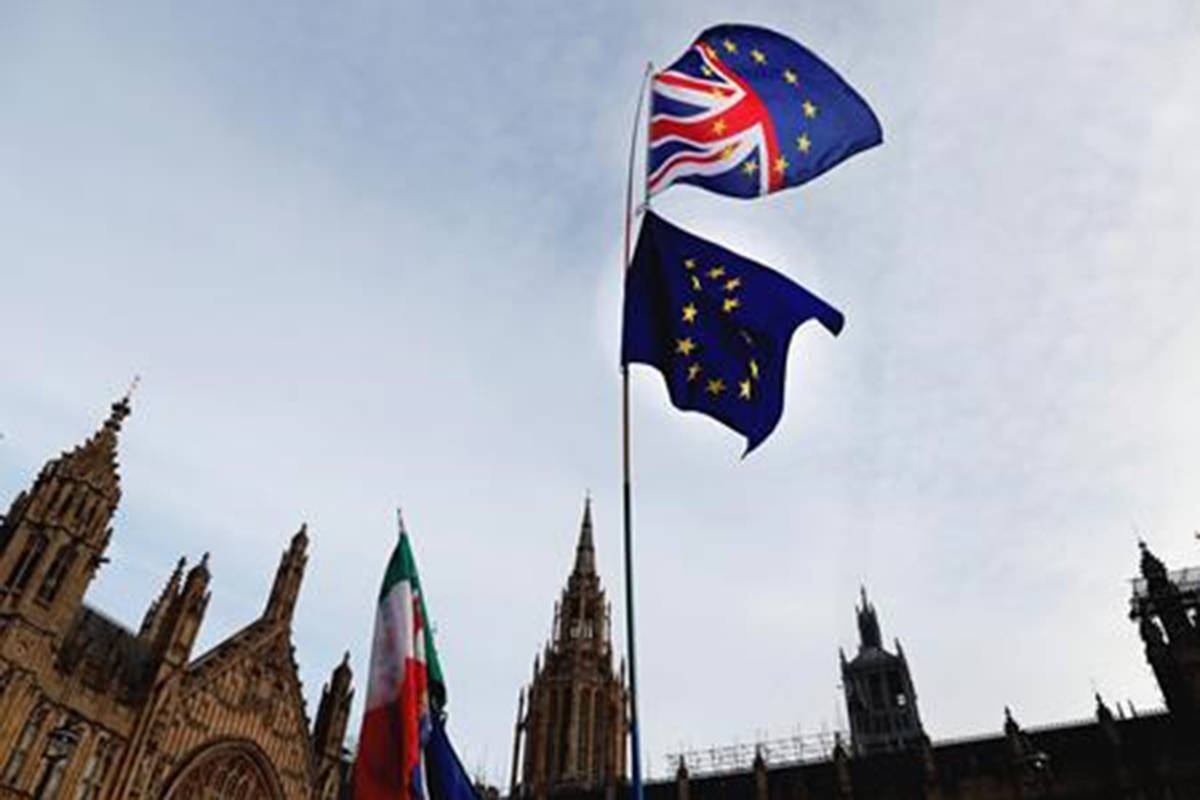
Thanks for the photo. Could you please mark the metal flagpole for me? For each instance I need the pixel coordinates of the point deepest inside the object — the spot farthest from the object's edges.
(630, 639)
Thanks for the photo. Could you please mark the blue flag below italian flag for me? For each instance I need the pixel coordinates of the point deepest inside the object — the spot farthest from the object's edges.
(403, 750)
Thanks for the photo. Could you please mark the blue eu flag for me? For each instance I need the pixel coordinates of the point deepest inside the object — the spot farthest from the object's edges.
(716, 325)
(746, 111)
(446, 777)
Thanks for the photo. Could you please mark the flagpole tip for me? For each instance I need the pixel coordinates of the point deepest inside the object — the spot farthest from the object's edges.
(400, 530)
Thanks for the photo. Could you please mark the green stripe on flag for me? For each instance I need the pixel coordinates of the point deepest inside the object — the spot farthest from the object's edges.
(403, 567)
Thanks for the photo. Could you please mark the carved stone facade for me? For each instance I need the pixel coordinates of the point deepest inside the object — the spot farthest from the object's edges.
(90, 710)
(572, 719)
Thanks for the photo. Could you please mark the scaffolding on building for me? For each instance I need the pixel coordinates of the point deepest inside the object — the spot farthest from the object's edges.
(796, 749)
(1186, 580)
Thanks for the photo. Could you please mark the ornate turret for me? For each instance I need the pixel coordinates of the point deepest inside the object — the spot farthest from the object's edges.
(286, 588)
(880, 697)
(868, 624)
(332, 714)
(153, 620)
(574, 724)
(329, 730)
(54, 535)
(1163, 605)
(185, 613)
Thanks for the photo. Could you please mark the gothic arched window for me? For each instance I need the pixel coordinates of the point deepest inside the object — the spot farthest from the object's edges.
(28, 561)
(227, 771)
(64, 559)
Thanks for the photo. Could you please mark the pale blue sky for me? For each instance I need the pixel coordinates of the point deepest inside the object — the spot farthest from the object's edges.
(368, 253)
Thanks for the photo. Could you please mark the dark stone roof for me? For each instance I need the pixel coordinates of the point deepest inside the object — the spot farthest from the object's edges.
(107, 656)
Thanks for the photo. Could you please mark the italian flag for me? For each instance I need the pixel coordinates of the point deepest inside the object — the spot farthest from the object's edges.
(404, 692)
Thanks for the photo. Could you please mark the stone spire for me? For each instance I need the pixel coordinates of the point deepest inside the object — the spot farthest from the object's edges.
(158, 609)
(573, 717)
(1152, 568)
(585, 550)
(868, 624)
(333, 713)
(53, 538)
(95, 461)
(286, 588)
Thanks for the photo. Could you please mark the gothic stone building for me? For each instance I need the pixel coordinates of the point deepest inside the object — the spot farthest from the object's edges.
(92, 711)
(880, 697)
(572, 720)
(1127, 756)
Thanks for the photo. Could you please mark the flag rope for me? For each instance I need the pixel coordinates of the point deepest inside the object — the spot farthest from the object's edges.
(627, 494)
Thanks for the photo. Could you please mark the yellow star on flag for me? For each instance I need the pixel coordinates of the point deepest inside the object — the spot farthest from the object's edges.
(744, 389)
(750, 167)
(716, 272)
(689, 263)
(689, 312)
(684, 346)
(706, 69)
(758, 56)
(730, 304)
(730, 46)
(715, 387)
(728, 151)
(781, 164)
(732, 284)
(696, 283)
(810, 110)
(803, 143)
(790, 77)
(693, 372)
(719, 127)
(753, 369)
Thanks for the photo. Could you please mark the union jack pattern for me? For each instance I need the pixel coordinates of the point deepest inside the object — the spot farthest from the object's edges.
(747, 111)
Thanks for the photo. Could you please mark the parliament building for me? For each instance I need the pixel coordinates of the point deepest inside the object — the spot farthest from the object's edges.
(570, 737)
(90, 710)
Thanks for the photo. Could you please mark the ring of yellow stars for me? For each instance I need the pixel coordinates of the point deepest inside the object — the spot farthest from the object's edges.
(803, 143)
(732, 284)
(730, 304)
(730, 46)
(810, 110)
(781, 164)
(716, 272)
(744, 389)
(689, 263)
(753, 369)
(750, 167)
(715, 387)
(689, 312)
(696, 283)
(685, 346)
(790, 77)
(758, 56)
(693, 372)
(719, 126)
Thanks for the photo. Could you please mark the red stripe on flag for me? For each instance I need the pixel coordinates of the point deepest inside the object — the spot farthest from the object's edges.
(389, 747)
